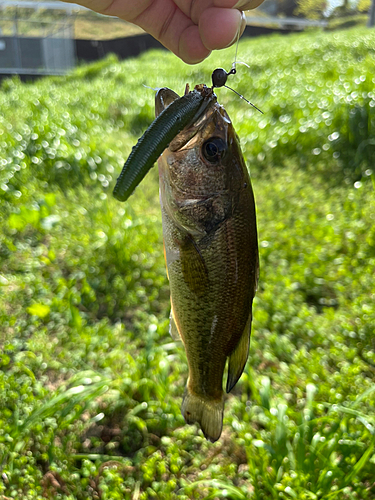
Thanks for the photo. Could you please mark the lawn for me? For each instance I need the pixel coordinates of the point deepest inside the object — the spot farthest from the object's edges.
(91, 382)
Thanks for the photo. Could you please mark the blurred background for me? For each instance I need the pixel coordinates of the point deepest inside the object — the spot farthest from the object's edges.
(91, 383)
(38, 38)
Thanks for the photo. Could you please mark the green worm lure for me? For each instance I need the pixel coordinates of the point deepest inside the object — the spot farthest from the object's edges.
(157, 137)
(165, 128)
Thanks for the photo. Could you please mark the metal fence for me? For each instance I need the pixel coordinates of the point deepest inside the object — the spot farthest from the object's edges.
(50, 54)
(34, 45)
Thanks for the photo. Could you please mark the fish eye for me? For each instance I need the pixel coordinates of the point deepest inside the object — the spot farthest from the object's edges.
(214, 149)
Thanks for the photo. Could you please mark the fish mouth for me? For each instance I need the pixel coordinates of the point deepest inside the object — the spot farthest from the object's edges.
(213, 121)
(165, 96)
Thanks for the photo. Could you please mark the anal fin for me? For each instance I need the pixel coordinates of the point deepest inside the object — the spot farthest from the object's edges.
(238, 358)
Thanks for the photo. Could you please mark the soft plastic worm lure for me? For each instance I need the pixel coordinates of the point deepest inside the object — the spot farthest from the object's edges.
(159, 134)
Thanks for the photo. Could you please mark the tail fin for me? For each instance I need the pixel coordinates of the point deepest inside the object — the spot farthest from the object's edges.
(208, 413)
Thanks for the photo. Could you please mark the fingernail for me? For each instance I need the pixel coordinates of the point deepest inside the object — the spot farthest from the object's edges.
(243, 23)
(240, 4)
(240, 30)
(247, 4)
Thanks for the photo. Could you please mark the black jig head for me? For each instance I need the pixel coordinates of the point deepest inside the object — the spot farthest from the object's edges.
(219, 77)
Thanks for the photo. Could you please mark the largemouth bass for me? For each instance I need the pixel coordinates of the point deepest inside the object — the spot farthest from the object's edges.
(211, 252)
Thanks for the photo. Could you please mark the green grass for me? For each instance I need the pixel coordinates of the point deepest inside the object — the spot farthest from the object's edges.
(90, 381)
(348, 21)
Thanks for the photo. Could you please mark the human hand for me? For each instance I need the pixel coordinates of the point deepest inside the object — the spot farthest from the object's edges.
(189, 28)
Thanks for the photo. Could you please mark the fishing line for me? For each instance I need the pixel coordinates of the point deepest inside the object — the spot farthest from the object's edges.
(152, 88)
(219, 76)
(235, 55)
(244, 98)
(233, 70)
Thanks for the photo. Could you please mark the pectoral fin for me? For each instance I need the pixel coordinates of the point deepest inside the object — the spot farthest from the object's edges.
(194, 268)
(238, 358)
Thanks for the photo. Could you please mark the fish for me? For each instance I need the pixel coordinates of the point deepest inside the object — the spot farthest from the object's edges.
(211, 252)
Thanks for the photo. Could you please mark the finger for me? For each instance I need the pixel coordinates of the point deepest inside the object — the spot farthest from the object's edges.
(239, 4)
(176, 31)
(191, 48)
(248, 5)
(95, 5)
(219, 27)
(195, 9)
(120, 8)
